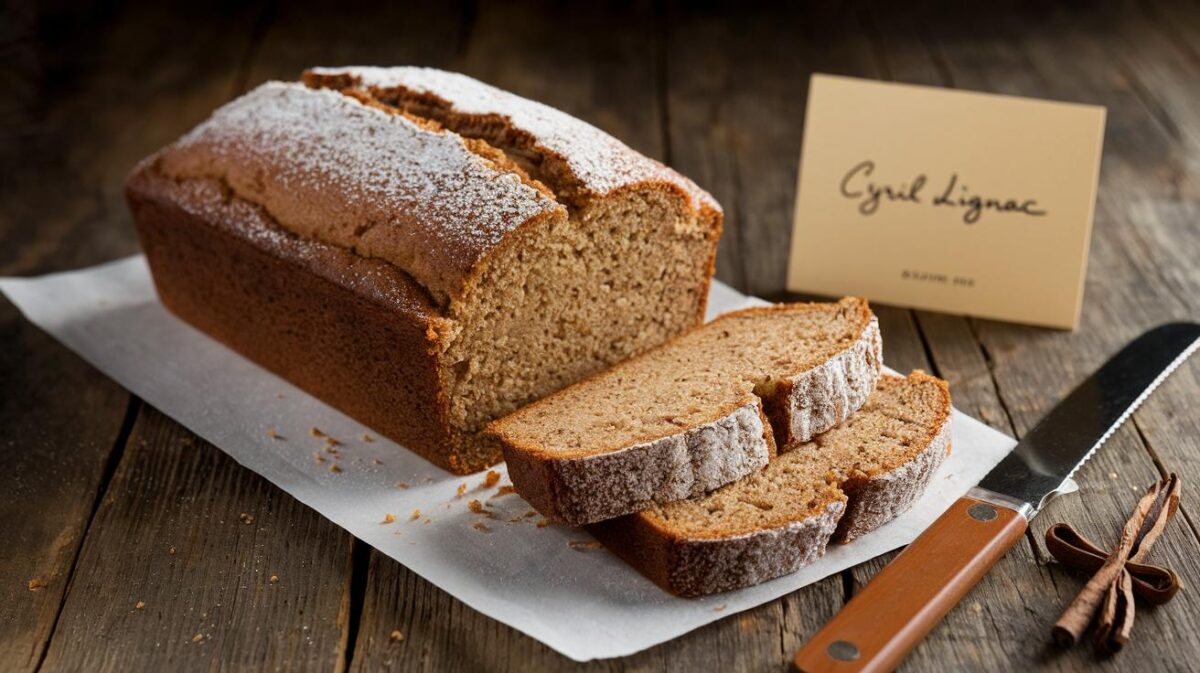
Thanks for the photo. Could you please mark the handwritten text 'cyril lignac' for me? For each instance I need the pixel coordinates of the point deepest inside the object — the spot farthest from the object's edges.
(857, 185)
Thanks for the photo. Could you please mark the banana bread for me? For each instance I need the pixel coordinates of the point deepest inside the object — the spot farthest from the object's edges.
(420, 250)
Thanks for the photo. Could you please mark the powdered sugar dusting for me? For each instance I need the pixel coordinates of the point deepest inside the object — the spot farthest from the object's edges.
(330, 168)
(600, 162)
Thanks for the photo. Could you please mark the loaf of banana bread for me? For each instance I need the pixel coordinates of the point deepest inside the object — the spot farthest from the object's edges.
(420, 250)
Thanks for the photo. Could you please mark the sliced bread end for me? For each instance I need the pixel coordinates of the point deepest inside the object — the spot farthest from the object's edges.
(845, 483)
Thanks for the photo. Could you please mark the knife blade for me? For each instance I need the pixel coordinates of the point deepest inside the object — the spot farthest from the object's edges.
(1067, 436)
(880, 625)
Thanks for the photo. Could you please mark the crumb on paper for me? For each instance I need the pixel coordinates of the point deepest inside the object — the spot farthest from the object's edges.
(335, 468)
(402, 485)
(389, 518)
(274, 435)
(428, 520)
(492, 478)
(139, 605)
(316, 432)
(318, 458)
(377, 461)
(507, 489)
(35, 584)
(530, 514)
(331, 442)
(543, 522)
(481, 526)
(462, 488)
(415, 515)
(246, 518)
(719, 608)
(584, 545)
(475, 506)
(274, 579)
(279, 396)
(397, 636)
(367, 438)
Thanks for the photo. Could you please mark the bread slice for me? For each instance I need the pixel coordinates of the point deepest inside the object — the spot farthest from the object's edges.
(704, 409)
(842, 484)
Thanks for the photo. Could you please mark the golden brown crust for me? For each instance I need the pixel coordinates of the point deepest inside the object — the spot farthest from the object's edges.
(602, 486)
(697, 566)
(312, 313)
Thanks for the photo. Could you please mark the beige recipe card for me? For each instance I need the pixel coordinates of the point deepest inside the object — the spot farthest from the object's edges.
(947, 200)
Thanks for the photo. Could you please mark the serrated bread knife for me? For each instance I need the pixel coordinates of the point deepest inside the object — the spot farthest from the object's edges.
(879, 626)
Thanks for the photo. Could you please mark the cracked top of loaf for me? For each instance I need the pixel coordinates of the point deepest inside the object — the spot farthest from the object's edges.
(427, 170)
(596, 161)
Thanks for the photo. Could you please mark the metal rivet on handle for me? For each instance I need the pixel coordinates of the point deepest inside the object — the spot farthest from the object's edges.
(982, 512)
(843, 650)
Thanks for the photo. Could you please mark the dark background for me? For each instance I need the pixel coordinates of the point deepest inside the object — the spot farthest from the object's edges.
(97, 488)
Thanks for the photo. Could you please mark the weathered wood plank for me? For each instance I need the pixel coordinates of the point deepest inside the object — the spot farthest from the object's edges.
(100, 117)
(53, 470)
(300, 36)
(1058, 58)
(193, 563)
(67, 143)
(737, 84)
(1160, 49)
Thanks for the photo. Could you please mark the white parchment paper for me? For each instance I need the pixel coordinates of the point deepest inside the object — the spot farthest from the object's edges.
(581, 601)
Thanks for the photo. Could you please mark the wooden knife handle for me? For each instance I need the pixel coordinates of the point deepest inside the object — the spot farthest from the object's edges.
(879, 626)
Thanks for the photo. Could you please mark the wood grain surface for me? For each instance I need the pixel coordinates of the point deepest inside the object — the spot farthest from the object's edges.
(99, 487)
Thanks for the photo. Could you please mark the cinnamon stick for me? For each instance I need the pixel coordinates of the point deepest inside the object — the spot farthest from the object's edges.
(1108, 596)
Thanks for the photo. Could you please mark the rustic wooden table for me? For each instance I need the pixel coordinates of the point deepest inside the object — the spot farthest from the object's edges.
(112, 505)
